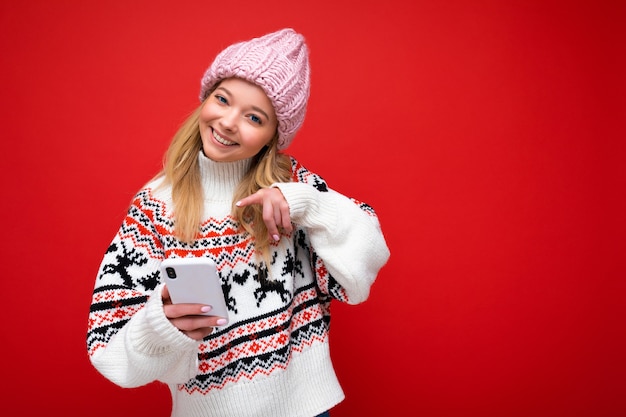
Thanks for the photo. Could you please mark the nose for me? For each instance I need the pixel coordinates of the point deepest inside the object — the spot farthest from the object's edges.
(228, 120)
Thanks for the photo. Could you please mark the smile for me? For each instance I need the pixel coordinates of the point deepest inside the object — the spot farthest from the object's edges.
(222, 140)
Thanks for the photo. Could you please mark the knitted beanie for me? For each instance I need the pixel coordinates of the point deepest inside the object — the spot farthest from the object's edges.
(278, 63)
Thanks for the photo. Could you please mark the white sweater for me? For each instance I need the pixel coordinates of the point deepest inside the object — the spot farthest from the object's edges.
(272, 359)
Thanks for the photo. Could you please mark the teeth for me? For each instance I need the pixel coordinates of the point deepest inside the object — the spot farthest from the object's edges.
(222, 140)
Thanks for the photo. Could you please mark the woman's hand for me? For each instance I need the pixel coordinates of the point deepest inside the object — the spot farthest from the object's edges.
(275, 210)
(188, 318)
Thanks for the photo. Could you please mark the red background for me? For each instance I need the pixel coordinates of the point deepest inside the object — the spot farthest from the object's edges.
(488, 135)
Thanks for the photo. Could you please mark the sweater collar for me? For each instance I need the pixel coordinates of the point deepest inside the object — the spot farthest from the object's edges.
(220, 179)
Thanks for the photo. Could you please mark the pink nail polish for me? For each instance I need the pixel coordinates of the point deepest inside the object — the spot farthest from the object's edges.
(221, 322)
(276, 238)
(206, 309)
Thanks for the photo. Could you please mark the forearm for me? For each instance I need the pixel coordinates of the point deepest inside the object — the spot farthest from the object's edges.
(348, 239)
(146, 349)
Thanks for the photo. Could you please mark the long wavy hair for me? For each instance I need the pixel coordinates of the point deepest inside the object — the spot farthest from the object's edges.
(181, 170)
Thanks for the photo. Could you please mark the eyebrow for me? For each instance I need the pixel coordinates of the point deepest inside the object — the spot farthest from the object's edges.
(258, 109)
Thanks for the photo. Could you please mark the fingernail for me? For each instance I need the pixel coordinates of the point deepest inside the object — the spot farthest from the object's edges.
(206, 309)
(238, 203)
(276, 238)
(221, 322)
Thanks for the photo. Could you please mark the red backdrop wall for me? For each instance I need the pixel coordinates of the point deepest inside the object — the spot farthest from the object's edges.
(488, 135)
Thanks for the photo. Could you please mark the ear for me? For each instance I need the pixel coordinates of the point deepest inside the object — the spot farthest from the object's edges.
(273, 142)
(272, 145)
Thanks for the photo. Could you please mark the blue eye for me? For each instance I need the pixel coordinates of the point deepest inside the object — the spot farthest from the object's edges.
(221, 99)
(255, 119)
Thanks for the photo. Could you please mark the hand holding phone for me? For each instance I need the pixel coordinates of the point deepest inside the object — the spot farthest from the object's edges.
(195, 280)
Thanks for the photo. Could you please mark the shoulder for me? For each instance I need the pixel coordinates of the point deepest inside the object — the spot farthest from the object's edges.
(155, 190)
(299, 173)
(156, 183)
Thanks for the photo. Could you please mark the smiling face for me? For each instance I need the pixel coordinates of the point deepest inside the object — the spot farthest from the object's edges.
(236, 121)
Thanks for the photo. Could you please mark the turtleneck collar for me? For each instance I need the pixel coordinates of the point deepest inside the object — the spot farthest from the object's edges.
(219, 179)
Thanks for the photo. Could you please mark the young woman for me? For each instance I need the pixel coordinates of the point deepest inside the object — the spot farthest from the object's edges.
(285, 245)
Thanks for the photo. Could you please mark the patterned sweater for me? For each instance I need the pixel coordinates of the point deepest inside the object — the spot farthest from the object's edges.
(272, 359)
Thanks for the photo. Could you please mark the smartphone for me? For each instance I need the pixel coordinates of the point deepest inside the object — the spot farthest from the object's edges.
(195, 280)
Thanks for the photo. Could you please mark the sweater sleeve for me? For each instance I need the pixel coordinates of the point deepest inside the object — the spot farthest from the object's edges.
(129, 338)
(343, 232)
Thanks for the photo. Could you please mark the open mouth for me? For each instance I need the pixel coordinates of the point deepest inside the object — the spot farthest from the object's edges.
(223, 141)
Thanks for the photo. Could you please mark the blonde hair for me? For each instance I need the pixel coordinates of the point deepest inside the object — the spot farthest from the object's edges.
(181, 170)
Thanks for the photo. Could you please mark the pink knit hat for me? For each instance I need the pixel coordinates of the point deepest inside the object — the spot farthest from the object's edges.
(278, 63)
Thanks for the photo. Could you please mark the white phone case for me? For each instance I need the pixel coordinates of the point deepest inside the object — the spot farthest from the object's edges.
(195, 280)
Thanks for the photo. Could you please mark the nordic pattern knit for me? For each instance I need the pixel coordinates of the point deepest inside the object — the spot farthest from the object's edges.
(272, 359)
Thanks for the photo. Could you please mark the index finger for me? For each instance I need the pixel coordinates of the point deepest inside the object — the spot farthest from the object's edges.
(255, 198)
(188, 309)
